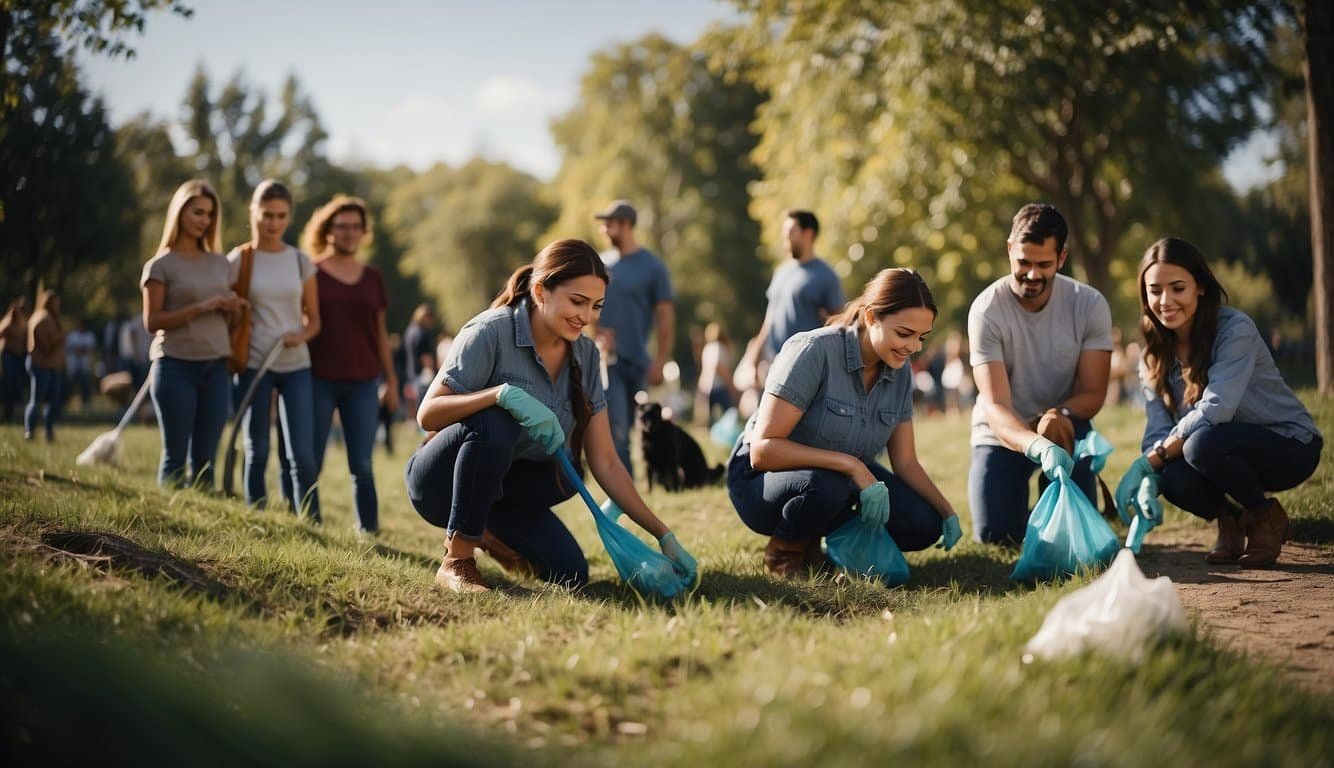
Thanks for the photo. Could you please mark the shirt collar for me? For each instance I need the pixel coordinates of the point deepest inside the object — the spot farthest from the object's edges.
(523, 329)
(852, 350)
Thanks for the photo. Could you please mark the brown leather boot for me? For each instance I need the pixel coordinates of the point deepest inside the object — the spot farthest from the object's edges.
(1231, 540)
(786, 558)
(460, 574)
(815, 559)
(1266, 529)
(511, 561)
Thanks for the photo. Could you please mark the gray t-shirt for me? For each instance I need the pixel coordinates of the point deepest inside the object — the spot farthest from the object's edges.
(185, 281)
(275, 304)
(1040, 350)
(798, 294)
(496, 347)
(639, 282)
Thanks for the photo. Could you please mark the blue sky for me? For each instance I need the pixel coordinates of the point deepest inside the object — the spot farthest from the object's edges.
(416, 81)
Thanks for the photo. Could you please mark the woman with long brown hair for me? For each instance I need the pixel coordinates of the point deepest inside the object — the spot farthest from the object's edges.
(1223, 428)
(519, 379)
(834, 398)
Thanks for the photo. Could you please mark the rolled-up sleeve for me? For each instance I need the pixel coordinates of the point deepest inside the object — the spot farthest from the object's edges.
(472, 359)
(1229, 375)
(984, 344)
(797, 372)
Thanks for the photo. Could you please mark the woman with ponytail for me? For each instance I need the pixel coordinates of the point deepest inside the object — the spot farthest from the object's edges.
(834, 398)
(1223, 427)
(520, 383)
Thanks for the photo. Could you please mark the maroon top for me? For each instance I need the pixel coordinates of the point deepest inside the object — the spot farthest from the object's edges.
(347, 347)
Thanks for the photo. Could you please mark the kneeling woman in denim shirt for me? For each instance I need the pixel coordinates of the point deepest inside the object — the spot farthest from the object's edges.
(833, 399)
(1223, 427)
(519, 378)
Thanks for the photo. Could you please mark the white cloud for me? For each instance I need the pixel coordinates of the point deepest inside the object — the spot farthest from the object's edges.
(509, 95)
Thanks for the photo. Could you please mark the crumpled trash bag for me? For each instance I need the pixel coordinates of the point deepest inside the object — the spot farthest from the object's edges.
(1065, 532)
(1140, 525)
(868, 550)
(646, 571)
(727, 428)
(1120, 613)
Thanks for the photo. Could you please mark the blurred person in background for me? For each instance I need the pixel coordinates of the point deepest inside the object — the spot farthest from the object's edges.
(13, 353)
(714, 392)
(79, 349)
(46, 365)
(419, 360)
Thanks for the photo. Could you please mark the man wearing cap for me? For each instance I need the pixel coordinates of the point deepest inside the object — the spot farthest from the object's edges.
(639, 298)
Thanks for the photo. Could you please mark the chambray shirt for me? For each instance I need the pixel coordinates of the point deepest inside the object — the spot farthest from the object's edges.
(820, 372)
(1244, 386)
(496, 347)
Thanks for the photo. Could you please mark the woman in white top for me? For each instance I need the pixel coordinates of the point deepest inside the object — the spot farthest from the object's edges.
(284, 310)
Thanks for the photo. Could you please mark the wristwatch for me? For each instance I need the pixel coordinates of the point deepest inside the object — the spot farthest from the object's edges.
(1064, 412)
(1159, 451)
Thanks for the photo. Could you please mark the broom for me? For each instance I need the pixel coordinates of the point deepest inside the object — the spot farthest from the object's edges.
(105, 448)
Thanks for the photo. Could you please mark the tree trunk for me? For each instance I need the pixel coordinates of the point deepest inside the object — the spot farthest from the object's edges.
(1320, 130)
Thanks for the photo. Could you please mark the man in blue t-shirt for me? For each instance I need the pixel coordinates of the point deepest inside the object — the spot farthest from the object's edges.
(802, 294)
(639, 298)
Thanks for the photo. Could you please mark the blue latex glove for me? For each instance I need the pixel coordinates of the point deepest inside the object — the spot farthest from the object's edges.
(874, 504)
(1129, 486)
(681, 559)
(950, 533)
(1050, 456)
(535, 417)
(612, 510)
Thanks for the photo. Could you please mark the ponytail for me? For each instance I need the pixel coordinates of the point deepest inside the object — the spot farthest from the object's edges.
(849, 314)
(516, 288)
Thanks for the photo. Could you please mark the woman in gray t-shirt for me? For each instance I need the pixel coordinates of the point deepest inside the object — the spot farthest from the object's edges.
(188, 303)
(284, 311)
(834, 398)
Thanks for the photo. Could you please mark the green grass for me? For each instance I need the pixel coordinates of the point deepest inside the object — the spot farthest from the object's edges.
(268, 640)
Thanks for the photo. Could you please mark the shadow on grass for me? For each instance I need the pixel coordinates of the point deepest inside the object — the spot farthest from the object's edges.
(970, 572)
(1312, 530)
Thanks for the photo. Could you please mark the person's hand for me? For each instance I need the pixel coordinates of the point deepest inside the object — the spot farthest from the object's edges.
(950, 533)
(605, 338)
(1050, 456)
(533, 416)
(293, 340)
(389, 397)
(682, 561)
(873, 504)
(1129, 486)
(655, 374)
(1146, 498)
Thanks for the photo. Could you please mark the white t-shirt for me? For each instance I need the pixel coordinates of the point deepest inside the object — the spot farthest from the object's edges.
(1040, 350)
(276, 281)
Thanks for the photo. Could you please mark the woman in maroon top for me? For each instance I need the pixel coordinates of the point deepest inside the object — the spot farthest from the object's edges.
(351, 353)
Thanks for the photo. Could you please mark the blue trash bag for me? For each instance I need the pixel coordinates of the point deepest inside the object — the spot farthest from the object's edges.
(646, 571)
(869, 550)
(727, 428)
(1140, 525)
(1065, 534)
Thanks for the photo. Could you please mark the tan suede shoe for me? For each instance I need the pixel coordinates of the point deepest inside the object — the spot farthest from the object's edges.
(786, 558)
(511, 561)
(1266, 530)
(1231, 540)
(460, 574)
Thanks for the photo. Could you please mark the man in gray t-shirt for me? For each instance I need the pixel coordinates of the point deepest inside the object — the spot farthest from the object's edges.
(1038, 340)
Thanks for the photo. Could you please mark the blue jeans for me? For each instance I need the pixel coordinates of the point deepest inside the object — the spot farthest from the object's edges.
(358, 405)
(804, 504)
(624, 380)
(464, 479)
(998, 489)
(296, 412)
(1238, 460)
(44, 389)
(190, 398)
(15, 382)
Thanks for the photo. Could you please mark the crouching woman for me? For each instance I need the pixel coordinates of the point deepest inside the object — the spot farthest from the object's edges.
(834, 398)
(519, 378)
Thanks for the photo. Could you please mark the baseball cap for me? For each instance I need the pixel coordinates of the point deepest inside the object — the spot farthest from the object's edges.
(620, 209)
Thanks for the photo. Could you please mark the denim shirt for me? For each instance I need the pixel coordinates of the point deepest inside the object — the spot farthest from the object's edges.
(496, 347)
(1244, 386)
(820, 373)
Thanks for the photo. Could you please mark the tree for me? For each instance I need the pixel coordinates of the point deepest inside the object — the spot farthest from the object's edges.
(668, 128)
(1319, 38)
(464, 230)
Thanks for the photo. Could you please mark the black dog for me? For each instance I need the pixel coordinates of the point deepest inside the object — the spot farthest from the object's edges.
(672, 456)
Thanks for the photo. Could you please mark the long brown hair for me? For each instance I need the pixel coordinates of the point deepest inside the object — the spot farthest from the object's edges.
(1160, 342)
(891, 290)
(558, 262)
(316, 234)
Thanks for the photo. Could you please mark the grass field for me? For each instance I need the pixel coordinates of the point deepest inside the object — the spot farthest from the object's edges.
(221, 635)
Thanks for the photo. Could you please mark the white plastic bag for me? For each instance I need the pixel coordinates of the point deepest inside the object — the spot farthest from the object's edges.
(1119, 613)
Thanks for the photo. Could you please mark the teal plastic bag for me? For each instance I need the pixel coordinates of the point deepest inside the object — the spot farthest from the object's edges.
(646, 571)
(1096, 446)
(1065, 535)
(868, 550)
(727, 428)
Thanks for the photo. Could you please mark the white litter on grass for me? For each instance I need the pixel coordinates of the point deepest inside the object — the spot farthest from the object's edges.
(1119, 613)
(105, 449)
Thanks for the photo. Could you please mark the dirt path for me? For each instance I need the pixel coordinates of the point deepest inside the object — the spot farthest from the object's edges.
(1284, 613)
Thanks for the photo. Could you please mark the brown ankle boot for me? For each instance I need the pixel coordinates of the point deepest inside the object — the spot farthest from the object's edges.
(1266, 529)
(460, 574)
(786, 558)
(815, 559)
(511, 561)
(1231, 540)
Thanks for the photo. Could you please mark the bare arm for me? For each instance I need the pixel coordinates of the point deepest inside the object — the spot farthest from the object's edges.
(993, 390)
(664, 320)
(442, 407)
(386, 362)
(771, 450)
(1091, 377)
(158, 319)
(902, 449)
(613, 477)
